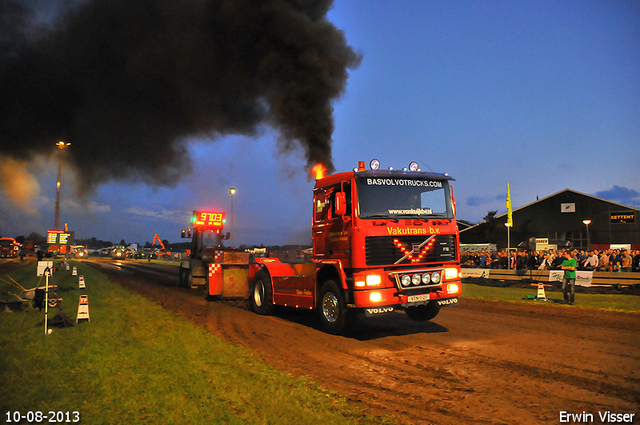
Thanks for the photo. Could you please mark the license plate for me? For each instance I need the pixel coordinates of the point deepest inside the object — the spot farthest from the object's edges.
(418, 298)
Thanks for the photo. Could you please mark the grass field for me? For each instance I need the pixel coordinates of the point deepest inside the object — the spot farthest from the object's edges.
(614, 302)
(136, 363)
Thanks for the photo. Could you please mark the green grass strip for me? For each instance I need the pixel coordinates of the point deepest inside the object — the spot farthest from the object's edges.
(613, 302)
(136, 363)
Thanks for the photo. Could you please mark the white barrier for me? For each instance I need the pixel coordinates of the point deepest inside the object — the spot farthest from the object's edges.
(582, 278)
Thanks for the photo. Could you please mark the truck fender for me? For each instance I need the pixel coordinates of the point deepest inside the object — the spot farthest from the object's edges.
(336, 265)
(277, 269)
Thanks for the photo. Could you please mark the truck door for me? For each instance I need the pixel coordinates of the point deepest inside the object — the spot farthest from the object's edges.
(321, 207)
(331, 236)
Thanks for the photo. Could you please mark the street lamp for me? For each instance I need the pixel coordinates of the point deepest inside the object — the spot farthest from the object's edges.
(61, 145)
(587, 222)
(232, 191)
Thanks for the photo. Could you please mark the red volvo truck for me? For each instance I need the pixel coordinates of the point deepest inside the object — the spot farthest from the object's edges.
(383, 240)
(9, 247)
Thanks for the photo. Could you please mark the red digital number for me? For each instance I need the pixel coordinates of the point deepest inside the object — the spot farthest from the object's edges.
(205, 218)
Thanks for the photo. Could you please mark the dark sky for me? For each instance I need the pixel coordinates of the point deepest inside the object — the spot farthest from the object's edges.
(127, 82)
(541, 95)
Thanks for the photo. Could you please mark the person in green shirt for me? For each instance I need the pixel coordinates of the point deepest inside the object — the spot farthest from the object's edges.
(569, 266)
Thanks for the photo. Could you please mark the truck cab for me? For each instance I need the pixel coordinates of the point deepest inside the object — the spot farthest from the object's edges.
(383, 240)
(9, 247)
(206, 238)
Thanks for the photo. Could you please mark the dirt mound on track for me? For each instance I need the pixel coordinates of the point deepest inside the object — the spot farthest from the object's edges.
(479, 362)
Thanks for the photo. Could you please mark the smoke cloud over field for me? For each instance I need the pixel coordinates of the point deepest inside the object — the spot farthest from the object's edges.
(128, 82)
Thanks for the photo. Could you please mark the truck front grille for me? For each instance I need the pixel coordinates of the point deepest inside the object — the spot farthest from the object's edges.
(382, 250)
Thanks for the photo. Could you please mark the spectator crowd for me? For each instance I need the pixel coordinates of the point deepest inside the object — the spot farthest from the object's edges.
(610, 260)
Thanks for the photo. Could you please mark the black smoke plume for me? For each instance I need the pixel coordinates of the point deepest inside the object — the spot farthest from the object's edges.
(128, 82)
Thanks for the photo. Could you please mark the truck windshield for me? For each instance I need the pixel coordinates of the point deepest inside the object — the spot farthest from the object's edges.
(210, 239)
(403, 197)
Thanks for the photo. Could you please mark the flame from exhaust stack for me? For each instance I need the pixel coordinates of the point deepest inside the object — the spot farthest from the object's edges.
(318, 171)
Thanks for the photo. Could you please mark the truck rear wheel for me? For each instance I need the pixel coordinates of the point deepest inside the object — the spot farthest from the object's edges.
(262, 294)
(186, 278)
(422, 313)
(332, 309)
(181, 276)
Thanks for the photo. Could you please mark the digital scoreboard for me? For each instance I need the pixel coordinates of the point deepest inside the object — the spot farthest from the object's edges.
(208, 219)
(58, 237)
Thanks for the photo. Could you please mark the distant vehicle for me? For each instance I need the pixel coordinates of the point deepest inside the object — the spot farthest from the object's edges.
(9, 247)
(118, 253)
(157, 238)
(28, 249)
(79, 251)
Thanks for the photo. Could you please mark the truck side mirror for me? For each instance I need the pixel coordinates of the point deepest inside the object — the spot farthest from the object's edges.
(341, 204)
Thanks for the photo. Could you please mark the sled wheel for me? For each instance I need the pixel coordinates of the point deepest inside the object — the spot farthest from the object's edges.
(262, 294)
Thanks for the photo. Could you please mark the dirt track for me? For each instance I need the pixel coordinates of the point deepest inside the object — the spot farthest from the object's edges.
(479, 362)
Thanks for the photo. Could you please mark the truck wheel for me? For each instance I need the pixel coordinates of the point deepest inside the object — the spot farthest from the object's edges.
(186, 278)
(423, 312)
(262, 294)
(332, 309)
(181, 276)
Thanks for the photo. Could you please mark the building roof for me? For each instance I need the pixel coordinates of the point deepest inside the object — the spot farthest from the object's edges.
(551, 196)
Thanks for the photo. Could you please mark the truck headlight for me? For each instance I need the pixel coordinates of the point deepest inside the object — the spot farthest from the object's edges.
(416, 279)
(405, 280)
(451, 273)
(373, 280)
(375, 297)
(435, 277)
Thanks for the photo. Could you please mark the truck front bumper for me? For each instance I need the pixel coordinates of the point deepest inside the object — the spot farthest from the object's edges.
(446, 295)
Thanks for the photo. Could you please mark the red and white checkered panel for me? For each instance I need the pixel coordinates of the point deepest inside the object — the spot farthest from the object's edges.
(214, 269)
(219, 255)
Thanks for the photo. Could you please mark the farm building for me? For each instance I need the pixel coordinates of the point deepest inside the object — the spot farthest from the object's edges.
(566, 218)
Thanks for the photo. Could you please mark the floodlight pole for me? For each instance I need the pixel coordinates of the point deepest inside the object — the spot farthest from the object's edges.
(47, 271)
(56, 221)
(232, 191)
(587, 222)
(508, 245)
(61, 145)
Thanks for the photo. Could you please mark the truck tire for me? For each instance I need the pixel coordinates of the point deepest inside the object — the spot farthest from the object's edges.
(186, 278)
(181, 276)
(422, 313)
(261, 297)
(332, 309)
